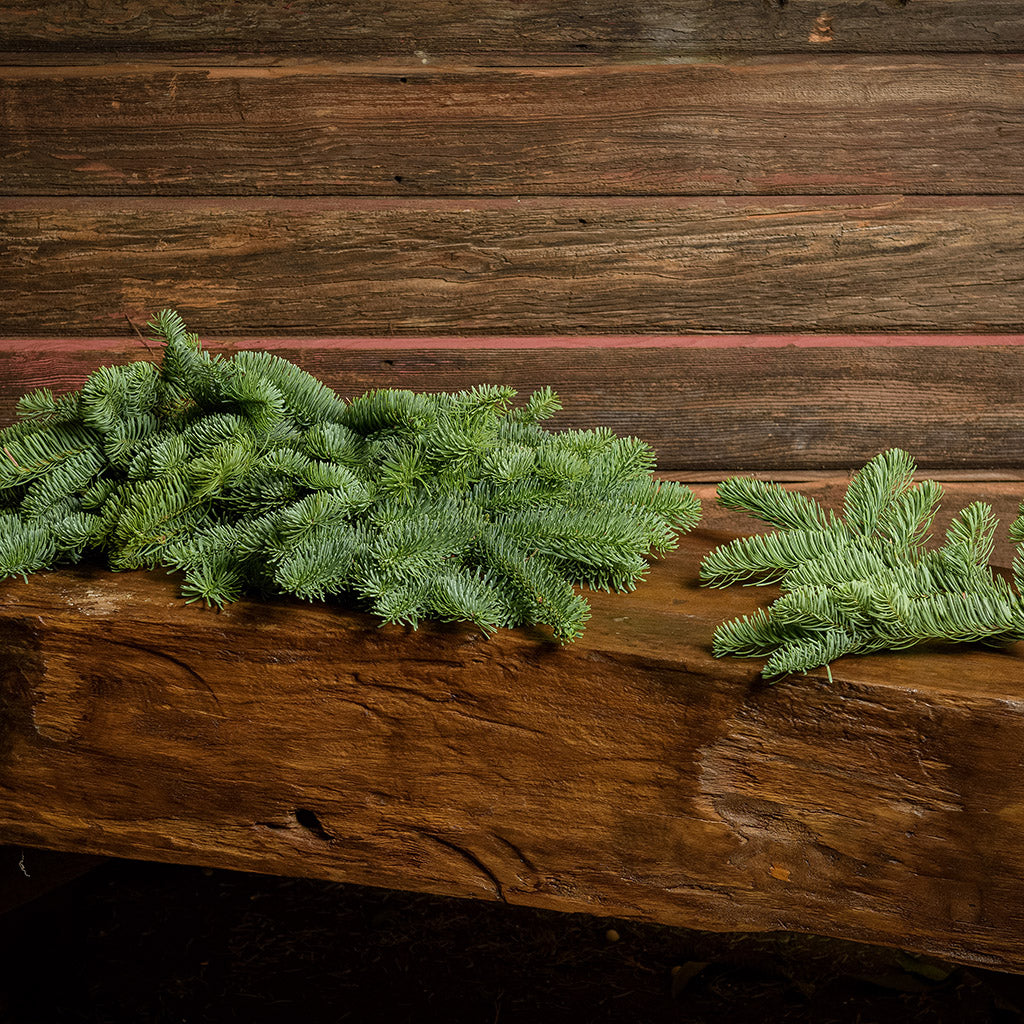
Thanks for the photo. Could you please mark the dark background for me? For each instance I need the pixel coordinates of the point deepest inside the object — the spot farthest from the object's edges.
(134, 941)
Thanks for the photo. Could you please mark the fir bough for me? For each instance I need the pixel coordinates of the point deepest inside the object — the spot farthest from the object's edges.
(864, 580)
(248, 474)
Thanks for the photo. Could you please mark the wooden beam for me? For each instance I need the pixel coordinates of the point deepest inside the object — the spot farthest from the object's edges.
(537, 266)
(786, 126)
(705, 403)
(532, 32)
(630, 774)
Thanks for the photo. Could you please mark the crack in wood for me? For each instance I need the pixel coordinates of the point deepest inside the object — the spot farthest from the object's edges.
(518, 854)
(469, 857)
(188, 669)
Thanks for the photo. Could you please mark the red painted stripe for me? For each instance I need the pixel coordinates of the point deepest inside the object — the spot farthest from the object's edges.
(691, 341)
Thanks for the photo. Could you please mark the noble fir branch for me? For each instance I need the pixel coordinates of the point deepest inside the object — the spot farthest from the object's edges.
(864, 580)
(248, 475)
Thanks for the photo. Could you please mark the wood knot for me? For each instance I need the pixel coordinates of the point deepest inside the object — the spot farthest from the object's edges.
(822, 31)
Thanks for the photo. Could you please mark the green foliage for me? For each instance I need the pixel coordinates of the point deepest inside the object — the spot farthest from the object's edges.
(248, 474)
(864, 581)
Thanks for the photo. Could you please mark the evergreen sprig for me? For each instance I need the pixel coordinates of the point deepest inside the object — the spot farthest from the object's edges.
(864, 580)
(248, 474)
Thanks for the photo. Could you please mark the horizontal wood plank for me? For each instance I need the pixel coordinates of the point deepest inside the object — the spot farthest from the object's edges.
(540, 266)
(787, 126)
(535, 31)
(630, 774)
(725, 409)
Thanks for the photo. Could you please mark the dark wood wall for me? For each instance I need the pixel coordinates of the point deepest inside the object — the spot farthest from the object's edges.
(759, 233)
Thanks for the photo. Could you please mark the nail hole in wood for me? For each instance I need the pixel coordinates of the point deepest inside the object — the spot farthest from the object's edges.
(311, 823)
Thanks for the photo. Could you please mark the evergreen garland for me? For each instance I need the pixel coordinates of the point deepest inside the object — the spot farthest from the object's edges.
(863, 581)
(248, 474)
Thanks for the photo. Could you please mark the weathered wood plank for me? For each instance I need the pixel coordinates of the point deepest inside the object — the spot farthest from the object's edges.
(791, 126)
(530, 266)
(532, 32)
(704, 403)
(630, 774)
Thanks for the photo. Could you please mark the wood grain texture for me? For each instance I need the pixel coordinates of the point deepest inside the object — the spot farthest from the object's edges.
(630, 774)
(530, 266)
(719, 410)
(790, 126)
(531, 32)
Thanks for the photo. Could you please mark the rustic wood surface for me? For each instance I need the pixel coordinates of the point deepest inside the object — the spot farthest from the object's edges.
(787, 125)
(630, 774)
(705, 404)
(515, 266)
(533, 32)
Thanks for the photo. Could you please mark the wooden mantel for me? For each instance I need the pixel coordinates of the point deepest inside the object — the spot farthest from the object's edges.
(630, 774)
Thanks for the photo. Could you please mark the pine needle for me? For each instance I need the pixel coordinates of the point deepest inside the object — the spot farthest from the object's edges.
(864, 581)
(248, 474)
